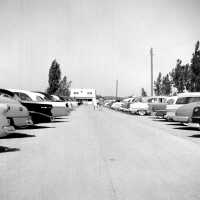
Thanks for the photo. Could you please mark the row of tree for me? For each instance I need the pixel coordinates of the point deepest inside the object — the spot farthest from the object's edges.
(57, 85)
(183, 77)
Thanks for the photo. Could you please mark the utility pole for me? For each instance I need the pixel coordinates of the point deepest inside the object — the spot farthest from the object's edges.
(116, 94)
(151, 54)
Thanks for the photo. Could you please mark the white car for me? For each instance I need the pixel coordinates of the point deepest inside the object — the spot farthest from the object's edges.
(141, 104)
(5, 127)
(160, 109)
(117, 105)
(72, 104)
(60, 108)
(182, 99)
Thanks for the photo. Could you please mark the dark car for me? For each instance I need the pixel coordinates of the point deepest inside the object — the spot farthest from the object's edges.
(39, 112)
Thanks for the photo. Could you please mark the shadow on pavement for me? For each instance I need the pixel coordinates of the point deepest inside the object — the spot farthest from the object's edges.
(59, 121)
(17, 135)
(187, 128)
(159, 120)
(61, 118)
(195, 136)
(35, 127)
(176, 124)
(8, 149)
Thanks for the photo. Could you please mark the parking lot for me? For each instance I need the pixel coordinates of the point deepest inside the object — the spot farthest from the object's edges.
(94, 154)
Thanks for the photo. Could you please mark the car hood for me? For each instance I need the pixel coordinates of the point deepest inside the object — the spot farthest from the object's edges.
(8, 100)
(187, 110)
(16, 109)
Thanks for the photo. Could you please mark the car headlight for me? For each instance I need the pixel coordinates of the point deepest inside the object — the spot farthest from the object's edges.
(196, 109)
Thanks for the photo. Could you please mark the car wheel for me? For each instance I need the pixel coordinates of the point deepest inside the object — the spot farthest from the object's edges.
(141, 112)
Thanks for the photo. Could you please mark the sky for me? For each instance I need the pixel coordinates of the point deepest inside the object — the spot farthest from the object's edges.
(96, 42)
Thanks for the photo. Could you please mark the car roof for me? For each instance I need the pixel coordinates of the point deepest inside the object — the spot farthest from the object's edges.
(32, 95)
(7, 92)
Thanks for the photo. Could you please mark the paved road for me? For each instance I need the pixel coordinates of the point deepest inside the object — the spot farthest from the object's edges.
(100, 155)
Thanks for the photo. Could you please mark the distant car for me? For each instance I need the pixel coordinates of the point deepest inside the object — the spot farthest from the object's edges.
(5, 127)
(39, 112)
(182, 99)
(108, 103)
(141, 105)
(125, 104)
(18, 114)
(125, 107)
(117, 105)
(185, 113)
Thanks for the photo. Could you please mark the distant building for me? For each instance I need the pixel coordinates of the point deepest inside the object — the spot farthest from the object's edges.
(86, 95)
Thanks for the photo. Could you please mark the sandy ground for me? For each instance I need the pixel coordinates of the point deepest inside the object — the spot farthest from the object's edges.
(101, 155)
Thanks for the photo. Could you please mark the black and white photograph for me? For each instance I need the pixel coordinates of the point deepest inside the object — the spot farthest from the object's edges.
(99, 99)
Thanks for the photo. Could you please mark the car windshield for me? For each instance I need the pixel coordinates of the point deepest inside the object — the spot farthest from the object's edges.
(38, 98)
(5, 95)
(23, 96)
(55, 98)
(186, 100)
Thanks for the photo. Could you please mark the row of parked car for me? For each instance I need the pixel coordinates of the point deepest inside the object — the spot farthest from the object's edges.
(183, 108)
(21, 108)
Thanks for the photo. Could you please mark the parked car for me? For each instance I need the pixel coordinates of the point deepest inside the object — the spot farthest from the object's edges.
(124, 105)
(185, 113)
(71, 104)
(61, 108)
(141, 104)
(159, 109)
(108, 103)
(116, 105)
(182, 99)
(58, 108)
(5, 127)
(39, 112)
(17, 114)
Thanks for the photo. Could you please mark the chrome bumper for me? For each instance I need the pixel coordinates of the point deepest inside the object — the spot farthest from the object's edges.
(184, 119)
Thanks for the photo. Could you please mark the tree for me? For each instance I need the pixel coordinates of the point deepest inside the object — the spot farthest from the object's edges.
(54, 77)
(187, 77)
(143, 92)
(195, 69)
(181, 76)
(166, 85)
(158, 84)
(64, 88)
